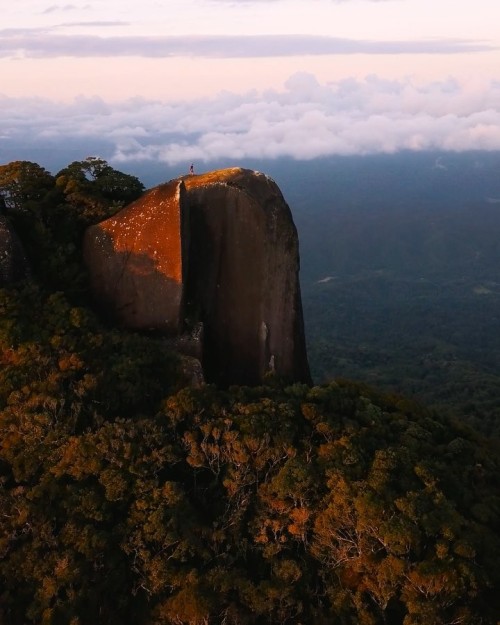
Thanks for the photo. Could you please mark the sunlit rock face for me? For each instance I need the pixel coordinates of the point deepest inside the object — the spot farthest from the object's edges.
(13, 263)
(221, 249)
(137, 263)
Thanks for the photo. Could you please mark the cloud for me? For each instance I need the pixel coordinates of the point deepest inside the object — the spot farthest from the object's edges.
(57, 8)
(45, 43)
(103, 23)
(304, 120)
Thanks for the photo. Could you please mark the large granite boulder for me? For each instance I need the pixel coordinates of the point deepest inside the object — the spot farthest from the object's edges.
(219, 249)
(13, 263)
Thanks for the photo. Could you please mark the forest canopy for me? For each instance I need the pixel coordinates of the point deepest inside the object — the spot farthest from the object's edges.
(51, 212)
(127, 499)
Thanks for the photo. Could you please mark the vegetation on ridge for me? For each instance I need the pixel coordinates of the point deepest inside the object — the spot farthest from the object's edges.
(50, 213)
(125, 500)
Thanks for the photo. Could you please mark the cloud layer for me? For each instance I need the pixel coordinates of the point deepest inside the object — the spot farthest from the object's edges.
(47, 43)
(305, 120)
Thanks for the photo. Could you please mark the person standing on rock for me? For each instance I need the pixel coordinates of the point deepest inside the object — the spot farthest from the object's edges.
(191, 169)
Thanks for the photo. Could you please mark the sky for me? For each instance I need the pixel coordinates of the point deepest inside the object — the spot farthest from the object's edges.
(176, 81)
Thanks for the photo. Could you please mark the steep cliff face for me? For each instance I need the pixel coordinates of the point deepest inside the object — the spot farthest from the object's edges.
(13, 263)
(220, 249)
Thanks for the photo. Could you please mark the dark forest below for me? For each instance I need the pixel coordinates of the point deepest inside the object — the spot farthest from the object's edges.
(128, 499)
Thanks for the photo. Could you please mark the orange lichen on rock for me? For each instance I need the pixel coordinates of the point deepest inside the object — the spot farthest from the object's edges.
(151, 227)
(219, 176)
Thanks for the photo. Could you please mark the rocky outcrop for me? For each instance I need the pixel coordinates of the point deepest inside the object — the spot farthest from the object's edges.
(13, 263)
(218, 249)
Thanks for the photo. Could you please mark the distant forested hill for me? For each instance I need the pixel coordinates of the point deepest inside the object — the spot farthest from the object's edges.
(401, 274)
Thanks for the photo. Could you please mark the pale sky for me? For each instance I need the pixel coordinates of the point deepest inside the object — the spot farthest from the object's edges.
(181, 79)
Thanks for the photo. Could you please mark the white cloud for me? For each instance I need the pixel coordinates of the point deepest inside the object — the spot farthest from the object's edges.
(303, 121)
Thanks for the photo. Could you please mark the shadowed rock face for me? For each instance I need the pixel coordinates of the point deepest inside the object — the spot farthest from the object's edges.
(13, 263)
(221, 249)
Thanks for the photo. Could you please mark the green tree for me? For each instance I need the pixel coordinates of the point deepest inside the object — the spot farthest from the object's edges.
(95, 190)
(24, 185)
(51, 213)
